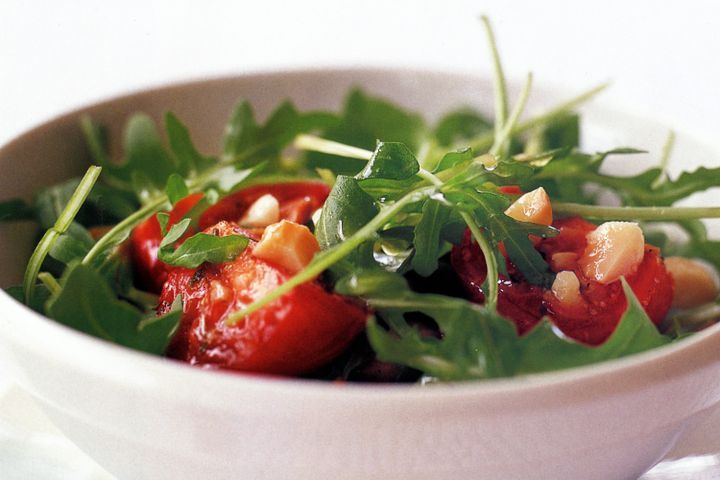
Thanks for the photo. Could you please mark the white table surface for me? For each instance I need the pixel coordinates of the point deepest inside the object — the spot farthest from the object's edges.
(663, 59)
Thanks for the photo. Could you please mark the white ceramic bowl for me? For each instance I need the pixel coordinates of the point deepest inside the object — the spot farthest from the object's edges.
(145, 417)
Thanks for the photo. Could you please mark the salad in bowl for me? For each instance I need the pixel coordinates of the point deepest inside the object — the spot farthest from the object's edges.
(366, 245)
(369, 245)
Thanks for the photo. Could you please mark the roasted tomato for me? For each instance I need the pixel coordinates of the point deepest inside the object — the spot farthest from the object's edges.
(595, 316)
(150, 273)
(298, 201)
(295, 334)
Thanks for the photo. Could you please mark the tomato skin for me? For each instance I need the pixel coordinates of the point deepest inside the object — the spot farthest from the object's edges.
(149, 272)
(596, 316)
(510, 190)
(594, 319)
(301, 331)
(298, 200)
(519, 301)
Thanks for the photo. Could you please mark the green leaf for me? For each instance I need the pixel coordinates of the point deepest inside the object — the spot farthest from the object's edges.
(386, 189)
(241, 131)
(391, 160)
(49, 203)
(40, 296)
(365, 120)
(187, 158)
(285, 123)
(176, 231)
(107, 205)
(155, 332)
(15, 209)
(96, 140)
(562, 132)
(145, 153)
(461, 125)
(641, 190)
(249, 143)
(88, 304)
(427, 237)
(347, 209)
(476, 343)
(163, 218)
(199, 248)
(176, 189)
(72, 245)
(452, 159)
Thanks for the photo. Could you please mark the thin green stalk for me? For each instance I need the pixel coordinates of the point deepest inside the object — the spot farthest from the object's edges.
(317, 144)
(636, 213)
(484, 142)
(140, 297)
(50, 282)
(502, 141)
(430, 177)
(329, 257)
(61, 225)
(116, 233)
(499, 82)
(665, 159)
(490, 260)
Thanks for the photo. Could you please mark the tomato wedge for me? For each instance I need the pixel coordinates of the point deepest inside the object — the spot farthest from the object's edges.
(295, 334)
(298, 200)
(149, 272)
(595, 317)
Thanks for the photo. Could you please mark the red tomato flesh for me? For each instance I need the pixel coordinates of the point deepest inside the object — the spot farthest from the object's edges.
(149, 272)
(596, 316)
(299, 332)
(298, 200)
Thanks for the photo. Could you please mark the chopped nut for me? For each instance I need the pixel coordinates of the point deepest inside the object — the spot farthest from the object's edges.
(695, 284)
(287, 244)
(263, 212)
(566, 288)
(614, 249)
(533, 207)
(316, 216)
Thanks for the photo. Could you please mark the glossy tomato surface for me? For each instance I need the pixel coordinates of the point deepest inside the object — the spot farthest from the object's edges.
(149, 272)
(298, 200)
(591, 320)
(301, 331)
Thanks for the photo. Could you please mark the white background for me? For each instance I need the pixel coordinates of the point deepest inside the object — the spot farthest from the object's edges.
(663, 57)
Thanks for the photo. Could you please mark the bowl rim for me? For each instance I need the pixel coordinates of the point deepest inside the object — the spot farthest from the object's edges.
(71, 339)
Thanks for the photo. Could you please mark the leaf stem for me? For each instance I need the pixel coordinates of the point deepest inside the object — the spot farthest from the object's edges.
(61, 225)
(499, 82)
(502, 139)
(329, 257)
(116, 233)
(490, 260)
(317, 144)
(50, 282)
(665, 159)
(636, 213)
(484, 142)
